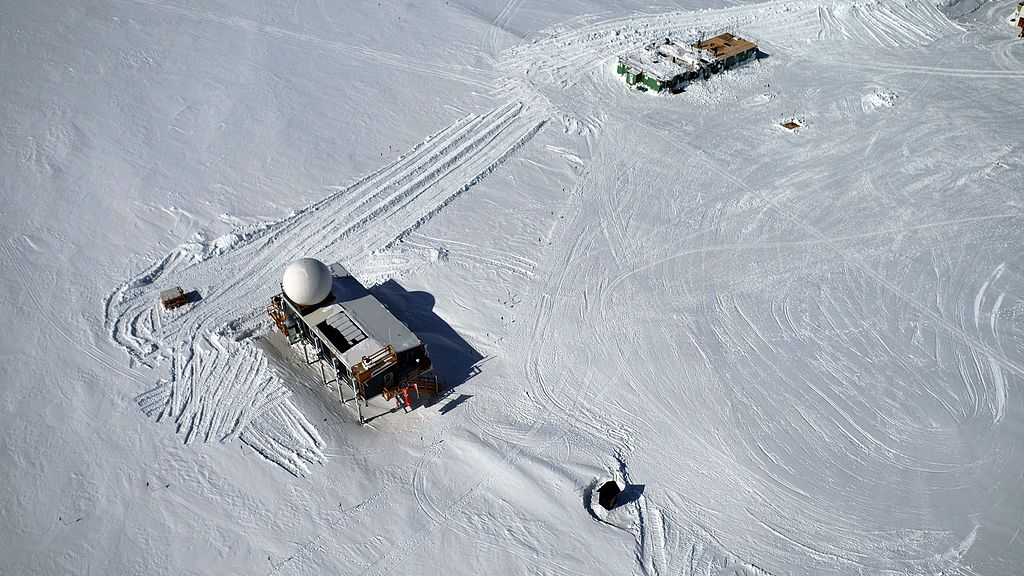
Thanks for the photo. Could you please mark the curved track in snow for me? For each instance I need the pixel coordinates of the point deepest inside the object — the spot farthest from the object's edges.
(817, 377)
(444, 70)
(564, 54)
(208, 393)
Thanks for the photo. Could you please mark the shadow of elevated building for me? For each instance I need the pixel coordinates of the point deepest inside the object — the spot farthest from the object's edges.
(454, 360)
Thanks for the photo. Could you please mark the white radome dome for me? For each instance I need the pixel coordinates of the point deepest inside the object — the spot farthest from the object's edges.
(307, 281)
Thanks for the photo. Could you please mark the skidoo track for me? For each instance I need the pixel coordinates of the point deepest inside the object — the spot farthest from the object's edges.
(217, 386)
(797, 363)
(462, 74)
(563, 53)
(497, 27)
(473, 255)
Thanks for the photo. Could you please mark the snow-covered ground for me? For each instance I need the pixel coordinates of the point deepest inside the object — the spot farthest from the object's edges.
(799, 350)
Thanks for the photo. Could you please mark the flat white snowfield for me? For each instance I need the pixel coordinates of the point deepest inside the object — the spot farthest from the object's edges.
(801, 351)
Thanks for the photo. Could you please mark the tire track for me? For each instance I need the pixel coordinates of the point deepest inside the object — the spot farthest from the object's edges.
(499, 25)
(444, 516)
(457, 73)
(436, 248)
(566, 52)
(209, 397)
(16, 256)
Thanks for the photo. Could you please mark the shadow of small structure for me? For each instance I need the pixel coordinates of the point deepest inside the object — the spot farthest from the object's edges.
(610, 495)
(631, 493)
(454, 403)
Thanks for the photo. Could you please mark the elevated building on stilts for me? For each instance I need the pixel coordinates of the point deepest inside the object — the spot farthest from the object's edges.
(375, 361)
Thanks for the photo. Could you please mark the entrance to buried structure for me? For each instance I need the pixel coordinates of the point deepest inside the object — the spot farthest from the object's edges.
(356, 341)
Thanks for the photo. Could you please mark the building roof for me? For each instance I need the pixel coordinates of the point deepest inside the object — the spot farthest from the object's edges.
(355, 323)
(668, 58)
(662, 61)
(725, 45)
(171, 294)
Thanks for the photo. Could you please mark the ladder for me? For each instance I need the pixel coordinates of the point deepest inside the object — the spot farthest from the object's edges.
(277, 314)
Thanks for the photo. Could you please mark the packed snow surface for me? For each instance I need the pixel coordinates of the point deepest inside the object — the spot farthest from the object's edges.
(799, 351)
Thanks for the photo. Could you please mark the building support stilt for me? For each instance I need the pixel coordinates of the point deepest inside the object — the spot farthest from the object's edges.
(337, 378)
(320, 361)
(359, 409)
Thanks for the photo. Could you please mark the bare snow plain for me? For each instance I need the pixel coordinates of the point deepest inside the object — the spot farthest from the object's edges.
(800, 350)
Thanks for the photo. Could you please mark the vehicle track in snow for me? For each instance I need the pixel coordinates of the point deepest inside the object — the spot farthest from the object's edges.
(666, 546)
(555, 414)
(498, 26)
(892, 24)
(439, 248)
(973, 74)
(523, 442)
(566, 387)
(557, 389)
(373, 215)
(563, 54)
(758, 346)
(859, 325)
(15, 249)
(463, 74)
(238, 272)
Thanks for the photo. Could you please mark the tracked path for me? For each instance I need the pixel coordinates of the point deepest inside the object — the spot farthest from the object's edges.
(385, 207)
(734, 320)
(456, 73)
(563, 54)
(218, 387)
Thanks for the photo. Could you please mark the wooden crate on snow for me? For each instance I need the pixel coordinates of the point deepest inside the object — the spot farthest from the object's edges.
(173, 298)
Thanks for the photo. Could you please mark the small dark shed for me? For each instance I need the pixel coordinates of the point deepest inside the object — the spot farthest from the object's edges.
(608, 494)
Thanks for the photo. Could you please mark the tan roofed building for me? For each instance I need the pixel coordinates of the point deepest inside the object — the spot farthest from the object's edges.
(671, 65)
(727, 48)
